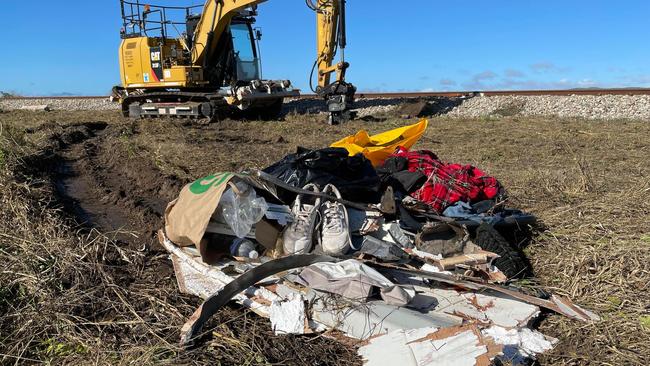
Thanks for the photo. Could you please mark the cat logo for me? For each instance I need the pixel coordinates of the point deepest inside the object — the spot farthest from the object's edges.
(155, 56)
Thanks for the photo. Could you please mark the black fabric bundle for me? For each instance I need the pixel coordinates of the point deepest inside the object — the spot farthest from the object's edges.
(354, 176)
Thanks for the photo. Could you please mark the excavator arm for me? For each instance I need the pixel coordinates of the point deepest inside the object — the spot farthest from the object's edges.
(214, 21)
(331, 39)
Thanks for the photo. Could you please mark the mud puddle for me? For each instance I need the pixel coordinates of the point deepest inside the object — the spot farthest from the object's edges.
(104, 186)
(82, 201)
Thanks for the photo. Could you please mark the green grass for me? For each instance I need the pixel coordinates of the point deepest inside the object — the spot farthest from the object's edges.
(54, 348)
(645, 321)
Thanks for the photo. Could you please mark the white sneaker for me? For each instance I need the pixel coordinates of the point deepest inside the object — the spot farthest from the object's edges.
(335, 232)
(297, 237)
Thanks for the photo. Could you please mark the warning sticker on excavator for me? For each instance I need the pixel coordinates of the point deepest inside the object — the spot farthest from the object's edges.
(145, 76)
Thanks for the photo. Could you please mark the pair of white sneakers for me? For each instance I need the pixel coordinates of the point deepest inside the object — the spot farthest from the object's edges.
(308, 214)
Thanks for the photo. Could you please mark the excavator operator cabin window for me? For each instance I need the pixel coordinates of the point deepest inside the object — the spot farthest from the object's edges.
(245, 52)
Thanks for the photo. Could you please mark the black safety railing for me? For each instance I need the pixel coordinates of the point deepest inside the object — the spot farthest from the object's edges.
(142, 19)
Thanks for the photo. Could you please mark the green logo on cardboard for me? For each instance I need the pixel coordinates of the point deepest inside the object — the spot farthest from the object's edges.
(204, 184)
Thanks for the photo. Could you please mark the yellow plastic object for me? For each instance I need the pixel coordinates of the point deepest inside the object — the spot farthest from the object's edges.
(378, 147)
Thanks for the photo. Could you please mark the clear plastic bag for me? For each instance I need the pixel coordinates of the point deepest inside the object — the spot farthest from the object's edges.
(241, 210)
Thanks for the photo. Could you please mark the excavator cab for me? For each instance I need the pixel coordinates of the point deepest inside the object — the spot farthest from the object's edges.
(247, 60)
(247, 63)
(236, 60)
(170, 64)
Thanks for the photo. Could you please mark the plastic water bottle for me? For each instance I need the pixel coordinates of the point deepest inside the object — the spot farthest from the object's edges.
(244, 248)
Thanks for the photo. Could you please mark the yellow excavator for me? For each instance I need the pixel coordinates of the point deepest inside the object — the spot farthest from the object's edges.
(203, 61)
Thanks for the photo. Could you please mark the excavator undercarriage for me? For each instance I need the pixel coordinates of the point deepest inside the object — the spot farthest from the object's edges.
(264, 102)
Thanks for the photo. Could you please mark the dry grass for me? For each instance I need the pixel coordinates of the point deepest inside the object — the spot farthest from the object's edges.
(588, 182)
(64, 293)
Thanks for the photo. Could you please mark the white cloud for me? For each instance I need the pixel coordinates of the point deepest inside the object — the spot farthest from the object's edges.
(447, 82)
(513, 73)
(547, 67)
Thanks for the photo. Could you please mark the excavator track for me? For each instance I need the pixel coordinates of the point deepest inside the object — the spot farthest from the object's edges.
(177, 103)
(264, 106)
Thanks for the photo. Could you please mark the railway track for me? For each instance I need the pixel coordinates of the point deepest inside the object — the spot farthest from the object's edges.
(451, 94)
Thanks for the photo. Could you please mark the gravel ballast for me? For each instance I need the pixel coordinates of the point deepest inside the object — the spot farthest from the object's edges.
(581, 106)
(63, 104)
(575, 106)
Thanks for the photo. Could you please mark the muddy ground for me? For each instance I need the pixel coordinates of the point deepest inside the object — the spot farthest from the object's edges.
(83, 280)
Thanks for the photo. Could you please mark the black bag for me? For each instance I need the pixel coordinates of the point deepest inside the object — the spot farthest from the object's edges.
(354, 176)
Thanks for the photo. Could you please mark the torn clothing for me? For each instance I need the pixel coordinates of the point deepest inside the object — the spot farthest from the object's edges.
(394, 172)
(353, 280)
(445, 183)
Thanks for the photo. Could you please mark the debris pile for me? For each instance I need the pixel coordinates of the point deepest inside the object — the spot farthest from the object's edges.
(368, 240)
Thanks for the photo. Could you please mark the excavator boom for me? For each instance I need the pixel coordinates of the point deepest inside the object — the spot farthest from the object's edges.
(331, 39)
(214, 21)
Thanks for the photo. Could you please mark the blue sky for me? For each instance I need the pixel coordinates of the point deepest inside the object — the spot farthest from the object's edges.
(70, 46)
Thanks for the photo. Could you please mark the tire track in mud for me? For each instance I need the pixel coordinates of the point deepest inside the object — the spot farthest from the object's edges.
(108, 187)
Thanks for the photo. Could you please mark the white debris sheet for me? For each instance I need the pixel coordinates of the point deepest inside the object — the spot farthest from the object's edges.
(485, 309)
(439, 325)
(462, 346)
(288, 317)
(520, 345)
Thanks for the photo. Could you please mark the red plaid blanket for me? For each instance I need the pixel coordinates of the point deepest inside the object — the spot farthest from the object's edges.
(448, 183)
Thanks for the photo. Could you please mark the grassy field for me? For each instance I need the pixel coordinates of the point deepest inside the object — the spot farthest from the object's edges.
(103, 292)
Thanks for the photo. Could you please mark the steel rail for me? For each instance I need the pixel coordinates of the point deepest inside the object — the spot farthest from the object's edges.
(448, 94)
